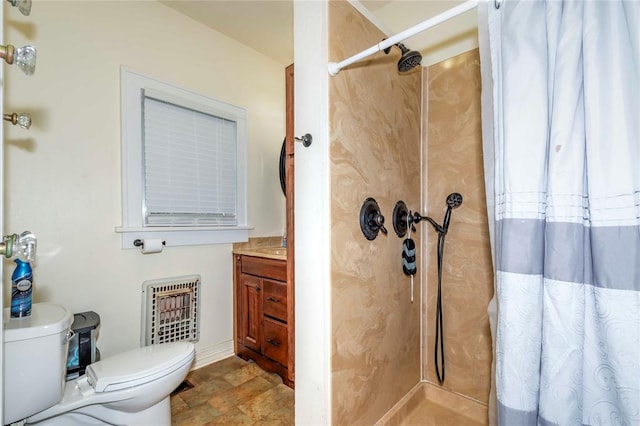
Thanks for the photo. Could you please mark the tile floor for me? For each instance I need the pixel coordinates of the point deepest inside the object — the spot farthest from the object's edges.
(233, 392)
(236, 392)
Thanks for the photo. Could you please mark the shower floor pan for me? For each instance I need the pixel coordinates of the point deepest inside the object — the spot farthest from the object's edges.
(430, 405)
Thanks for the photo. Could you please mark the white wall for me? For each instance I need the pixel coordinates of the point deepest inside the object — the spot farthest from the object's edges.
(313, 216)
(63, 177)
(1, 210)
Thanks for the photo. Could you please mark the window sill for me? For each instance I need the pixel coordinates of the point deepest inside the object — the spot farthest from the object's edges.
(185, 236)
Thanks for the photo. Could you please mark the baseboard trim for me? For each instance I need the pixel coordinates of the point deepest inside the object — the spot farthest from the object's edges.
(206, 355)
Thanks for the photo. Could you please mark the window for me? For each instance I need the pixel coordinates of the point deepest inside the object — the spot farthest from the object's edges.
(183, 165)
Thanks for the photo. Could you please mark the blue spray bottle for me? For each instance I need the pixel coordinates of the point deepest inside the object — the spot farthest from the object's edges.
(21, 289)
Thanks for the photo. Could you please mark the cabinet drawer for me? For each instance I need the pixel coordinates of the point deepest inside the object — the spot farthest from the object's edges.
(263, 267)
(276, 341)
(274, 300)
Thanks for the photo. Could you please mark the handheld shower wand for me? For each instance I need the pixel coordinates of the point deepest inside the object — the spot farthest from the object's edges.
(402, 220)
(453, 201)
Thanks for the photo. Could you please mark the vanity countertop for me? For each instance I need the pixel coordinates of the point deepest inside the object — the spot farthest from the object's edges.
(279, 253)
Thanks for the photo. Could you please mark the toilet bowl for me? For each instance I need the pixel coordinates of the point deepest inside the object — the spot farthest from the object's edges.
(130, 388)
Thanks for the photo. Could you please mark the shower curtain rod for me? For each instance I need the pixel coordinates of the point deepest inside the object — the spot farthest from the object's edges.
(335, 67)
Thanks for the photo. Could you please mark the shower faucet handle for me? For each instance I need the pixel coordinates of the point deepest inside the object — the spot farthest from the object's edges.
(378, 219)
(371, 220)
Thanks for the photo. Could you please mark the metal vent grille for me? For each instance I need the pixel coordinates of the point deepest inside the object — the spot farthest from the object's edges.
(171, 310)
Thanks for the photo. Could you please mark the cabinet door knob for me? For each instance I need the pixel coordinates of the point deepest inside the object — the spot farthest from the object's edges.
(273, 342)
(271, 299)
(257, 288)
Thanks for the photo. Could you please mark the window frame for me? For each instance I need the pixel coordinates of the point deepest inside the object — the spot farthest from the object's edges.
(132, 154)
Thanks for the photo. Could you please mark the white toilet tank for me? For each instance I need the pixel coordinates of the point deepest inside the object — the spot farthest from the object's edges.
(35, 355)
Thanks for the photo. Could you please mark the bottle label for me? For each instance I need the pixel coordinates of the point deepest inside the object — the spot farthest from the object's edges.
(23, 285)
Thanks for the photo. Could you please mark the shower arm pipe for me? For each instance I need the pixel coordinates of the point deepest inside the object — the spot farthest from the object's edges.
(335, 67)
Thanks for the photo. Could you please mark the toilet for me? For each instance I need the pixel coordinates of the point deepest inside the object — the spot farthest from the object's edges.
(130, 388)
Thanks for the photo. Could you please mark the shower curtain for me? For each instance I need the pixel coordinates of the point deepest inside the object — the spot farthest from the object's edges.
(561, 118)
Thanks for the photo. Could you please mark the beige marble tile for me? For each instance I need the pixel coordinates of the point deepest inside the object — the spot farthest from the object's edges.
(374, 120)
(454, 162)
(259, 242)
(404, 408)
(432, 414)
(428, 404)
(462, 406)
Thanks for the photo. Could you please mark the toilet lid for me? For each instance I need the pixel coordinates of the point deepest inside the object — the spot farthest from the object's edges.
(138, 366)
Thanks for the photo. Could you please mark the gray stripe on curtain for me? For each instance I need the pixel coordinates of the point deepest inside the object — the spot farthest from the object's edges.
(606, 257)
(520, 246)
(512, 417)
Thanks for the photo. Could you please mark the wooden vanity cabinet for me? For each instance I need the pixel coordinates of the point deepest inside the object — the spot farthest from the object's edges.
(261, 313)
(265, 288)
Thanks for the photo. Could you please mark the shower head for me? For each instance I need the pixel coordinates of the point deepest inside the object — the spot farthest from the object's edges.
(409, 59)
(454, 200)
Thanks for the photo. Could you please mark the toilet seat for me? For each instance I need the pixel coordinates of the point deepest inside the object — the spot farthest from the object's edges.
(138, 366)
(113, 392)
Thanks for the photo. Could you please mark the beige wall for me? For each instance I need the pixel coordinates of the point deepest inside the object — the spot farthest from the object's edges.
(63, 176)
(374, 119)
(454, 164)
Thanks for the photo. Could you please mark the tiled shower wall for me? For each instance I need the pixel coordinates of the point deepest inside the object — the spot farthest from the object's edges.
(454, 164)
(374, 120)
(375, 123)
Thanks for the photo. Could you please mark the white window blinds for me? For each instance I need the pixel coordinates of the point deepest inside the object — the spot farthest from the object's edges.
(189, 166)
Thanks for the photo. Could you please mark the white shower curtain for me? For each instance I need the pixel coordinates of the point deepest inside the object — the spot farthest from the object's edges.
(561, 112)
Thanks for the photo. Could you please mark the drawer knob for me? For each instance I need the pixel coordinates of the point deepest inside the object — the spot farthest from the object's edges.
(257, 288)
(271, 299)
(273, 342)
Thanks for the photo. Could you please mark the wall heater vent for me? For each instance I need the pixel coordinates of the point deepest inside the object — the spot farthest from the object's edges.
(170, 310)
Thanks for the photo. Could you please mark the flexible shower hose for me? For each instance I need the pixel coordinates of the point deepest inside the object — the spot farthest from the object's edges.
(439, 344)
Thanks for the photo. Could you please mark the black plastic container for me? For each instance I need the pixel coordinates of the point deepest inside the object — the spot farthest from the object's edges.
(82, 347)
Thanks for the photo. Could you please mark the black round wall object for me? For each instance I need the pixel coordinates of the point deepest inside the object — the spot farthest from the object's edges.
(283, 155)
(371, 221)
(400, 213)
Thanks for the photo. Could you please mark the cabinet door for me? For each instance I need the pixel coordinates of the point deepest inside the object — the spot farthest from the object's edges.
(251, 312)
